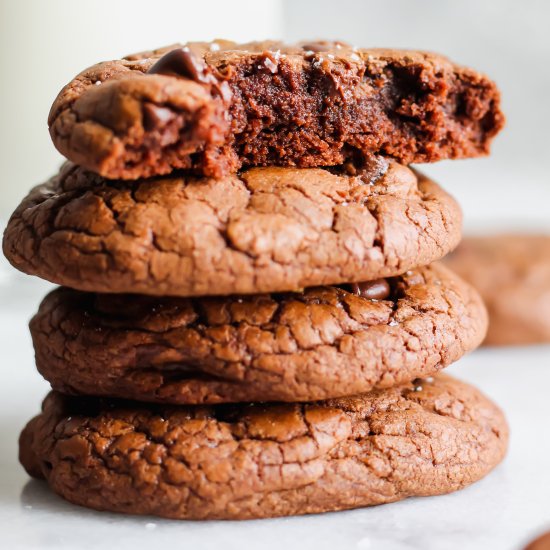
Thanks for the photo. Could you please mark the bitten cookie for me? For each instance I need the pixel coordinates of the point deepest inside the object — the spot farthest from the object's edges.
(263, 230)
(423, 438)
(325, 342)
(216, 107)
(512, 274)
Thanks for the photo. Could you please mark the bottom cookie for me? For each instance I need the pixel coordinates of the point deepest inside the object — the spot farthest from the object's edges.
(428, 437)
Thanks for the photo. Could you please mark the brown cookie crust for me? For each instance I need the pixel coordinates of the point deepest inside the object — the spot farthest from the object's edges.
(512, 274)
(264, 230)
(253, 461)
(303, 105)
(325, 342)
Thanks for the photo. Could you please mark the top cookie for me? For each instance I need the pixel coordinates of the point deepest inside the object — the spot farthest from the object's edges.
(215, 107)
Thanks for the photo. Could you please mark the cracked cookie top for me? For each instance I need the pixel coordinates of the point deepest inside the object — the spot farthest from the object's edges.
(262, 230)
(321, 343)
(216, 107)
(422, 438)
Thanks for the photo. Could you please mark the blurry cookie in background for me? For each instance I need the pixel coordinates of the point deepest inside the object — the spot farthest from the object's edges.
(540, 543)
(512, 273)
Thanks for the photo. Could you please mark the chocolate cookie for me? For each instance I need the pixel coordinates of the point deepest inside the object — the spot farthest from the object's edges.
(216, 107)
(263, 230)
(512, 274)
(325, 342)
(423, 438)
(541, 543)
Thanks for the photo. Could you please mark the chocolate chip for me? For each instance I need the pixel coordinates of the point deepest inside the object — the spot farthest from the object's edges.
(367, 167)
(155, 116)
(183, 63)
(372, 168)
(373, 290)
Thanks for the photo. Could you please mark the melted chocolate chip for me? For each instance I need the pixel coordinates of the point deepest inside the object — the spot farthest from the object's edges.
(418, 383)
(373, 290)
(372, 168)
(182, 63)
(369, 168)
(156, 117)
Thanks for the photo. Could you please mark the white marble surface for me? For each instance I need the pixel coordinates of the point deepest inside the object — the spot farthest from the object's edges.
(502, 511)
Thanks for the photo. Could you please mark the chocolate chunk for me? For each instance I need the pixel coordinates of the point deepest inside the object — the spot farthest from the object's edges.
(373, 290)
(155, 116)
(182, 63)
(369, 168)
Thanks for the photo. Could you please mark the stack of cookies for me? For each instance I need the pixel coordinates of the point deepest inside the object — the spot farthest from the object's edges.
(251, 322)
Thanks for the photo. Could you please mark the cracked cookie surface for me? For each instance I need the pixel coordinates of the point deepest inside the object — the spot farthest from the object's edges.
(512, 274)
(263, 230)
(321, 343)
(224, 106)
(423, 438)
